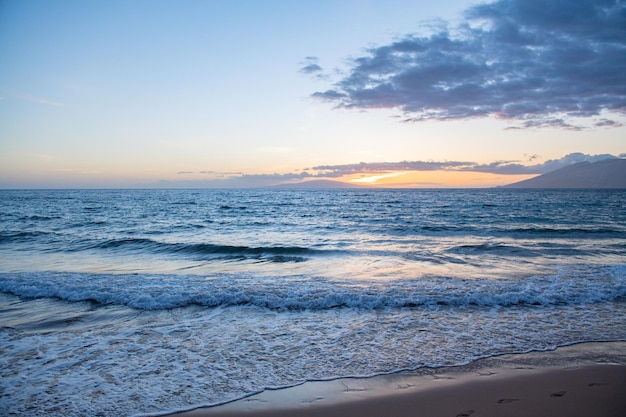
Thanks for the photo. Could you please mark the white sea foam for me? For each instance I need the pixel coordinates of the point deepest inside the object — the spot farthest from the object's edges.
(570, 285)
(161, 360)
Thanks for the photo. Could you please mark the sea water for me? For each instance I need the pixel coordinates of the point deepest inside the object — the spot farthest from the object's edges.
(130, 302)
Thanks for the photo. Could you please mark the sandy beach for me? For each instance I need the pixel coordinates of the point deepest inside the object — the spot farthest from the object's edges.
(585, 380)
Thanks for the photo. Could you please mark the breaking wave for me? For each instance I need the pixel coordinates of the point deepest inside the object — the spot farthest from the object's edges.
(575, 285)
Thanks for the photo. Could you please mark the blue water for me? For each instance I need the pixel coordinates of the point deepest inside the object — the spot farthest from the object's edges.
(128, 302)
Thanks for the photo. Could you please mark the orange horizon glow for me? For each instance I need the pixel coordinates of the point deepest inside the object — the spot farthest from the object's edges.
(435, 179)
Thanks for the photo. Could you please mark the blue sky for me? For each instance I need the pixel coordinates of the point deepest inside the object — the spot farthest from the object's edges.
(247, 93)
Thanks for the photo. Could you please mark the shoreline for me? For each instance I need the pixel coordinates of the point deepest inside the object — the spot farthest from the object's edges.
(585, 380)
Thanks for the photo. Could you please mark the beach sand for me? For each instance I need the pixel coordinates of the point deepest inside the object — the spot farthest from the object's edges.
(586, 380)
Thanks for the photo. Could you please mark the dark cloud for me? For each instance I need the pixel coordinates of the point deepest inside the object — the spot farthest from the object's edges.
(607, 123)
(334, 171)
(311, 68)
(536, 62)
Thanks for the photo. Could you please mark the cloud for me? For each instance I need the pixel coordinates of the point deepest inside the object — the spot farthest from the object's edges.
(222, 173)
(570, 159)
(497, 167)
(334, 171)
(216, 179)
(607, 123)
(215, 173)
(310, 65)
(535, 62)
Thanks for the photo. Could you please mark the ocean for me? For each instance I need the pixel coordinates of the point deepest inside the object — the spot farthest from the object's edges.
(143, 302)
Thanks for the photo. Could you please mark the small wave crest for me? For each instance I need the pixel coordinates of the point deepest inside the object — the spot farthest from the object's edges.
(575, 285)
(569, 232)
(21, 236)
(497, 248)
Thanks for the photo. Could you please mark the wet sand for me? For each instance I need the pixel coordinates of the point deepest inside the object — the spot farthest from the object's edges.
(587, 380)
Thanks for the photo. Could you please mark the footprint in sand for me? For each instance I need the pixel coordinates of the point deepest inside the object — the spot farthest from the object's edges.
(311, 401)
(465, 414)
(598, 384)
(507, 400)
(558, 394)
(349, 389)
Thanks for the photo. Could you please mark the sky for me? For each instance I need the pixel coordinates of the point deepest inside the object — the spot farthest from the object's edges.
(452, 93)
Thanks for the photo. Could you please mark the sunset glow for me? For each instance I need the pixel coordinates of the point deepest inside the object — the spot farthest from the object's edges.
(439, 179)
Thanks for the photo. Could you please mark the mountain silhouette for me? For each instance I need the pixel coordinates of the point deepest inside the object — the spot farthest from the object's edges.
(608, 173)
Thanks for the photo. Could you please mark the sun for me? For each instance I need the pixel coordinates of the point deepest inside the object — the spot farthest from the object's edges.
(375, 179)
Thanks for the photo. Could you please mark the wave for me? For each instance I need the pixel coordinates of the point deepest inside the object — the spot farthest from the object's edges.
(272, 253)
(579, 232)
(36, 217)
(21, 236)
(505, 250)
(570, 286)
(497, 248)
(498, 230)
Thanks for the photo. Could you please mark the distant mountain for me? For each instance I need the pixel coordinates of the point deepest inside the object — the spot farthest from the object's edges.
(609, 173)
(319, 184)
